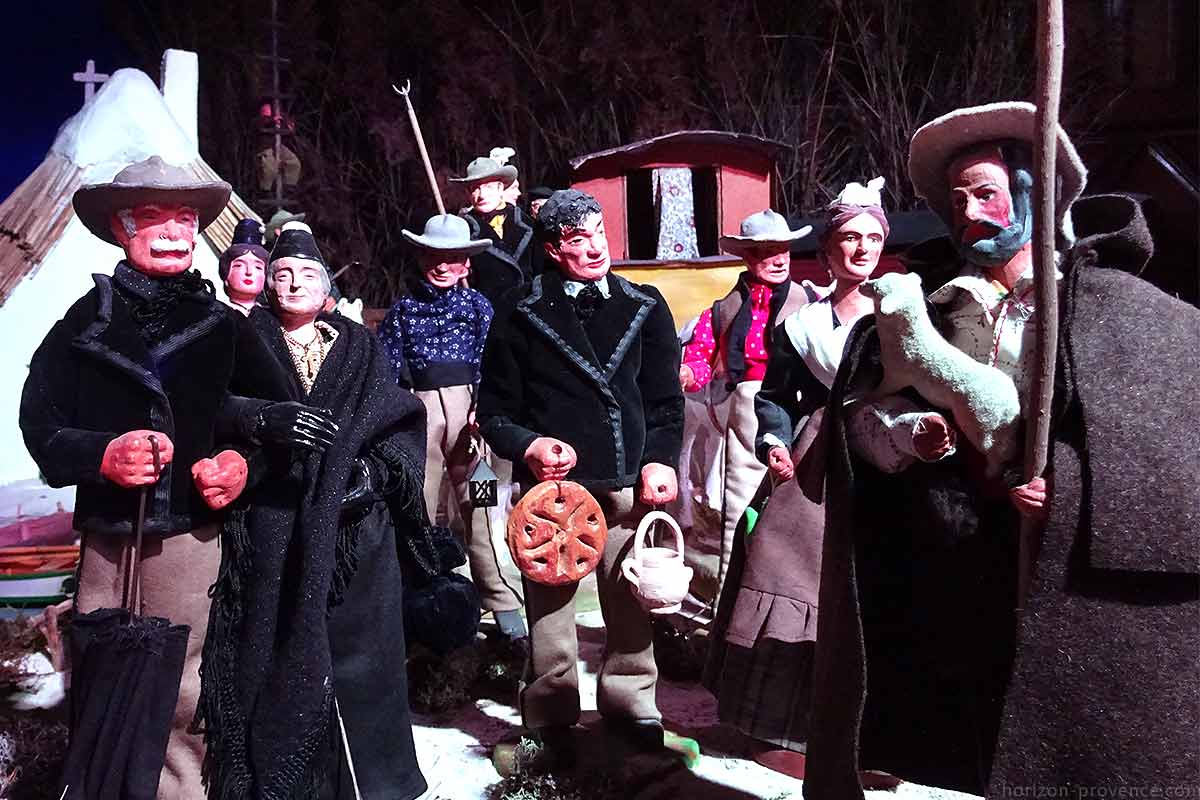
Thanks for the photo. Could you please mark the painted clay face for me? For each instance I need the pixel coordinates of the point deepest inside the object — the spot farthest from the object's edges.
(582, 255)
(535, 206)
(163, 241)
(982, 205)
(513, 193)
(298, 288)
(992, 211)
(487, 196)
(247, 275)
(446, 268)
(769, 262)
(852, 251)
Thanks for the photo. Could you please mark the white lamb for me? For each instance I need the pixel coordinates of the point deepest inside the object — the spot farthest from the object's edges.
(982, 399)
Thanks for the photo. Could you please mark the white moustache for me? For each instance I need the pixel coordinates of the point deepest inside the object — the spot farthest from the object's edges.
(170, 246)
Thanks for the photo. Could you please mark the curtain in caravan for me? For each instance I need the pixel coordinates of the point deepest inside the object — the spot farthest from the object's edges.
(676, 213)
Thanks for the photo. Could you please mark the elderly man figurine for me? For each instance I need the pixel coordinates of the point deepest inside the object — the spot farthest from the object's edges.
(149, 352)
(580, 383)
(304, 672)
(435, 338)
(506, 263)
(1100, 685)
(243, 266)
(728, 351)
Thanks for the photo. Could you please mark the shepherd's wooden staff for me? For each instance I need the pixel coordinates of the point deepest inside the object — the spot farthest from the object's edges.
(1045, 151)
(412, 117)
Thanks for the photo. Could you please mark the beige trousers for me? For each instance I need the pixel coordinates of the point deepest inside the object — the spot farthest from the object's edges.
(176, 574)
(628, 674)
(743, 472)
(448, 453)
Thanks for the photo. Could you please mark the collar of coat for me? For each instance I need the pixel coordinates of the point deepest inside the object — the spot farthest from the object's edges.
(267, 326)
(112, 336)
(552, 314)
(518, 221)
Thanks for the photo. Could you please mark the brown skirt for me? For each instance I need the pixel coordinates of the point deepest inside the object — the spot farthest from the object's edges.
(760, 659)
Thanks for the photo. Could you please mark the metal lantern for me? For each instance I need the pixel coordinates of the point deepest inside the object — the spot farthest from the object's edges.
(483, 486)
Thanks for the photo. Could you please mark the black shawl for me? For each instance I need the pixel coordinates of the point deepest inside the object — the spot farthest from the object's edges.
(268, 690)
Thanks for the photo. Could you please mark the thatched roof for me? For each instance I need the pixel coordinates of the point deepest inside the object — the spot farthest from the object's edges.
(124, 122)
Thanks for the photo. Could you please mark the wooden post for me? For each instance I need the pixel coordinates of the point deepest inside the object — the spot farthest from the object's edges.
(1045, 151)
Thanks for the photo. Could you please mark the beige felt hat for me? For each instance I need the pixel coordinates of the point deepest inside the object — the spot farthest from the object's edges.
(446, 233)
(936, 143)
(765, 226)
(484, 168)
(144, 183)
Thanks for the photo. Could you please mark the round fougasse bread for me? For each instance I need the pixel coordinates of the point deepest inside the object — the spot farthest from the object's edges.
(556, 533)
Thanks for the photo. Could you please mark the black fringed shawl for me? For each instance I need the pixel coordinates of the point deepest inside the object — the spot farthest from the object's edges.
(267, 696)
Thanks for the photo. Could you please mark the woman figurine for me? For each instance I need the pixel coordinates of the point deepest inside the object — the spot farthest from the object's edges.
(760, 662)
(243, 266)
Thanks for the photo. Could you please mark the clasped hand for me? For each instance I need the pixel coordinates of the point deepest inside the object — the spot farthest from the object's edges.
(294, 424)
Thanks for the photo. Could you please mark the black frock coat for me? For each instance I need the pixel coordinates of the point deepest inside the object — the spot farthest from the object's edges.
(94, 378)
(611, 391)
(508, 262)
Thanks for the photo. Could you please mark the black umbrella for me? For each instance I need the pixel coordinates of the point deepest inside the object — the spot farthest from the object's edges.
(125, 672)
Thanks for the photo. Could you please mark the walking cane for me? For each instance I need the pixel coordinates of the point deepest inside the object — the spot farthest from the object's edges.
(1045, 150)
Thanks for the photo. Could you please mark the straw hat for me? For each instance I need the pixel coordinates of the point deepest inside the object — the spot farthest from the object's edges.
(937, 142)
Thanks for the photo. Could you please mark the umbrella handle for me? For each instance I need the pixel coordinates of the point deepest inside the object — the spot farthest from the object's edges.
(135, 583)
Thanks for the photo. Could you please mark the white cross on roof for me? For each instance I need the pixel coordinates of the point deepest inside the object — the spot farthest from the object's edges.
(90, 79)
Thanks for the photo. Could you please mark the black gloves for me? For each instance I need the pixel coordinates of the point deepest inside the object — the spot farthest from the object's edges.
(295, 425)
(362, 491)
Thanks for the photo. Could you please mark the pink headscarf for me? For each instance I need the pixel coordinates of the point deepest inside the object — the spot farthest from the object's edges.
(853, 200)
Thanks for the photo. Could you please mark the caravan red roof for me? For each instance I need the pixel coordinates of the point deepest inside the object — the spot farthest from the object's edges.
(713, 147)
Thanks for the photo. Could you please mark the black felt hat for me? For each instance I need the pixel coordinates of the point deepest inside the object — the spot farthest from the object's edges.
(540, 193)
(247, 238)
(296, 241)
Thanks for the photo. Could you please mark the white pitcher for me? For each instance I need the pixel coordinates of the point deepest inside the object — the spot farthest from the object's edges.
(657, 576)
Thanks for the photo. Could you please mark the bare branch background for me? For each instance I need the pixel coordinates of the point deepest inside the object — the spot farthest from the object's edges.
(841, 83)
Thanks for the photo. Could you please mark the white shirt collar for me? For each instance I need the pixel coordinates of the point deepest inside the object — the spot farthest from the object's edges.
(987, 292)
(573, 288)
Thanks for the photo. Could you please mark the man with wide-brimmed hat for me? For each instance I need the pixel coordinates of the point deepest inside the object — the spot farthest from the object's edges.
(728, 352)
(506, 263)
(435, 336)
(1099, 686)
(150, 351)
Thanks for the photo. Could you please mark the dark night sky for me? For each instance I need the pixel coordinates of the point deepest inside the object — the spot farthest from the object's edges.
(46, 44)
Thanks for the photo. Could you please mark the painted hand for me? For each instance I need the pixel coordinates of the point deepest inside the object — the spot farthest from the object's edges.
(1030, 499)
(933, 437)
(129, 460)
(779, 462)
(550, 459)
(220, 479)
(659, 485)
(687, 378)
